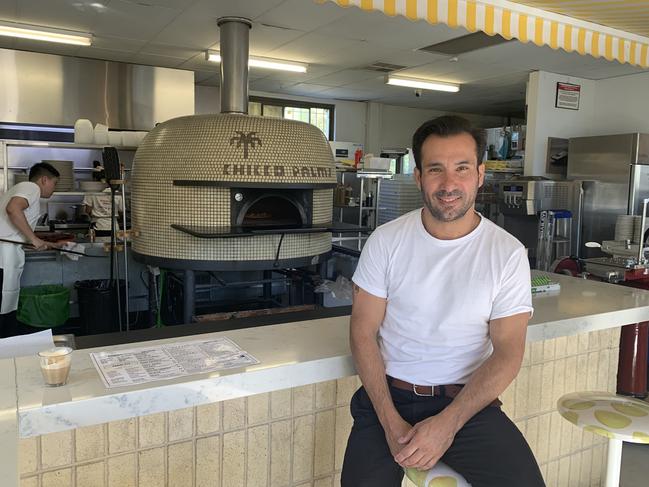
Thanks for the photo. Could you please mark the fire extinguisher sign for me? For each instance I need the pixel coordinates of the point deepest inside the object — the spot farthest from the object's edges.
(567, 96)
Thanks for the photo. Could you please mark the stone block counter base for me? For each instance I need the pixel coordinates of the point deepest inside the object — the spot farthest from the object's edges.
(285, 421)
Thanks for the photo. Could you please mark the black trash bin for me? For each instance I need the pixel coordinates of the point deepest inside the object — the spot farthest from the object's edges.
(98, 305)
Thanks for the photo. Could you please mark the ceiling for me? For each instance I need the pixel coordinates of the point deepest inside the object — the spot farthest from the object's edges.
(338, 43)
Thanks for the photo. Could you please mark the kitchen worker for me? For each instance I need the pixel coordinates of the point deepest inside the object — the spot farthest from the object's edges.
(98, 207)
(441, 301)
(19, 211)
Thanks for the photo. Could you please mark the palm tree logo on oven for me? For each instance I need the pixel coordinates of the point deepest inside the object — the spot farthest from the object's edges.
(246, 139)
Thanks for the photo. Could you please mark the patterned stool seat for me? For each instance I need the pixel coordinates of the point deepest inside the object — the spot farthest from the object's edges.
(618, 418)
(441, 475)
(606, 414)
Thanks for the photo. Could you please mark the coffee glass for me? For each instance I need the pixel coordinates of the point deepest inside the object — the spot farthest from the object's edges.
(55, 365)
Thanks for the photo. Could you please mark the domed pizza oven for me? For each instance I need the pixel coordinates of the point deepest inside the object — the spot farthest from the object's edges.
(231, 191)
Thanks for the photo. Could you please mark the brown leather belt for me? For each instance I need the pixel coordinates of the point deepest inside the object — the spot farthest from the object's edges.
(449, 390)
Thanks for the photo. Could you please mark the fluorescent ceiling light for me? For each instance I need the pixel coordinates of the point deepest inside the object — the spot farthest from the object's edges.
(26, 31)
(260, 62)
(423, 84)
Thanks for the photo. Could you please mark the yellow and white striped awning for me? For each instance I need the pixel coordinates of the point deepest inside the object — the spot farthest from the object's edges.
(627, 15)
(525, 23)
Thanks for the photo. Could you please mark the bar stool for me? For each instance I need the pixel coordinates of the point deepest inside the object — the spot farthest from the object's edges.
(441, 475)
(618, 418)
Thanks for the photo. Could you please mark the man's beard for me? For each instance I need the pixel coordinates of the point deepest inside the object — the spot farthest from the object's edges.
(438, 212)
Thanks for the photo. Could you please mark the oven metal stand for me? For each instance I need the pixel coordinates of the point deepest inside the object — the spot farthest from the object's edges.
(116, 177)
(296, 281)
(154, 306)
(189, 301)
(125, 243)
(268, 285)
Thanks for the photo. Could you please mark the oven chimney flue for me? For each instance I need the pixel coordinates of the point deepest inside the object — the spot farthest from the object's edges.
(234, 63)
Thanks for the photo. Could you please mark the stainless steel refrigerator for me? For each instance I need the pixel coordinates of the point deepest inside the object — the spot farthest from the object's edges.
(615, 174)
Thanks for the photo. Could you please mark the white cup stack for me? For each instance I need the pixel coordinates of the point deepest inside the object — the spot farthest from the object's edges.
(101, 134)
(83, 132)
(115, 138)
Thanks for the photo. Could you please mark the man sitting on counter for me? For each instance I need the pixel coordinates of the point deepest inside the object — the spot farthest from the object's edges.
(19, 212)
(442, 298)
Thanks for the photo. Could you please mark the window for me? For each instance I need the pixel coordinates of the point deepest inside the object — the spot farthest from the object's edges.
(271, 111)
(296, 113)
(254, 108)
(319, 115)
(320, 118)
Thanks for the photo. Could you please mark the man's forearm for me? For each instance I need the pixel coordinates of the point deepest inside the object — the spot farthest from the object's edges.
(19, 221)
(485, 385)
(371, 369)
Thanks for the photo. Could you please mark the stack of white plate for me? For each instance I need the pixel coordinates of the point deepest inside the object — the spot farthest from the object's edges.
(398, 196)
(92, 186)
(637, 228)
(66, 178)
(624, 227)
(20, 177)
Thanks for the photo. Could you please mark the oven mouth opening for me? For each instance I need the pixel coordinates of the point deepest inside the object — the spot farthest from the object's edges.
(272, 212)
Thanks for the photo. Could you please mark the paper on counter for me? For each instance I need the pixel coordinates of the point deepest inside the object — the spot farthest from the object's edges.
(26, 344)
(75, 247)
(147, 364)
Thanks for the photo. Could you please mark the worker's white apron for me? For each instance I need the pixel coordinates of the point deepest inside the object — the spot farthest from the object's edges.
(12, 261)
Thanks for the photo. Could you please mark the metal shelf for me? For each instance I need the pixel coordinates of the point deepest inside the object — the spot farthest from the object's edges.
(374, 178)
(63, 145)
(363, 174)
(82, 169)
(79, 193)
(508, 171)
(5, 157)
(75, 193)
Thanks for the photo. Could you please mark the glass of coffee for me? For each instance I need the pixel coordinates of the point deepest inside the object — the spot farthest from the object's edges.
(55, 365)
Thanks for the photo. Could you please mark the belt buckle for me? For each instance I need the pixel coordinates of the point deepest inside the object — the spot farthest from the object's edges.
(432, 391)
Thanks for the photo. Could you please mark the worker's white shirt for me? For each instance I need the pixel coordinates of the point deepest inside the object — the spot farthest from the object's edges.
(12, 257)
(441, 295)
(101, 205)
(32, 193)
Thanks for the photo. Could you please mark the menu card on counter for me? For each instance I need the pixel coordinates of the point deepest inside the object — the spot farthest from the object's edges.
(147, 364)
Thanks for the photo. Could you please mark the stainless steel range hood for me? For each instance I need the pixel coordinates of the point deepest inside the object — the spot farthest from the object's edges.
(57, 90)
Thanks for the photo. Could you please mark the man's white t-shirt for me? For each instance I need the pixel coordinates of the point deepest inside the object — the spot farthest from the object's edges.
(32, 193)
(441, 295)
(101, 208)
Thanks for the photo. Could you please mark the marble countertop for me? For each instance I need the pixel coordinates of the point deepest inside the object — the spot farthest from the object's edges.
(290, 355)
(584, 305)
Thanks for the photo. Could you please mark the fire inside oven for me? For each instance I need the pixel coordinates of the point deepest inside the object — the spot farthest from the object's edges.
(255, 208)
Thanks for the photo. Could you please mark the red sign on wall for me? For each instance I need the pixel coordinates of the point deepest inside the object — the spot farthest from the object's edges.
(567, 96)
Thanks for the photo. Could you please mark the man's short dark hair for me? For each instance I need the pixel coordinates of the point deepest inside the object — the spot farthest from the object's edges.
(447, 126)
(42, 169)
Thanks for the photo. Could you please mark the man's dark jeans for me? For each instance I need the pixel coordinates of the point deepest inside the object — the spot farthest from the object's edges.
(489, 451)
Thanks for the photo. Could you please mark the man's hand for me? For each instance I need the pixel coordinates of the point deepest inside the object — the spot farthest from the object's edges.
(394, 432)
(39, 244)
(426, 442)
